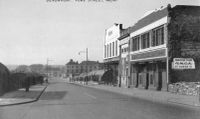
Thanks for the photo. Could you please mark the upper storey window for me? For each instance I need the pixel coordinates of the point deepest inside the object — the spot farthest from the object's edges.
(150, 39)
(145, 41)
(158, 36)
(135, 43)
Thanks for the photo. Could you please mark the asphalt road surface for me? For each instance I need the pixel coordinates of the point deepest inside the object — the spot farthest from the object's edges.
(69, 101)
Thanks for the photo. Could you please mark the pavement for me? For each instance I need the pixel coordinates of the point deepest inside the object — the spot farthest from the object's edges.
(152, 95)
(20, 96)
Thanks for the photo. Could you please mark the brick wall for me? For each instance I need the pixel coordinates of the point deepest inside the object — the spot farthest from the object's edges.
(184, 41)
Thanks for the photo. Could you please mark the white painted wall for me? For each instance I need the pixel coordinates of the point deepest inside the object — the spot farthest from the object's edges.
(111, 35)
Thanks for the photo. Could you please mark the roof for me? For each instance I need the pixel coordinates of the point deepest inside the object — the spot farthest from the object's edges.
(150, 18)
(82, 75)
(71, 62)
(96, 72)
(89, 62)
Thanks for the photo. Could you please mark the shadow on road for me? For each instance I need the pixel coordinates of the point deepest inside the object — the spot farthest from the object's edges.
(53, 95)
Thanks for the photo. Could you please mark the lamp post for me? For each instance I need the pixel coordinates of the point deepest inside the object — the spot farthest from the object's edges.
(86, 52)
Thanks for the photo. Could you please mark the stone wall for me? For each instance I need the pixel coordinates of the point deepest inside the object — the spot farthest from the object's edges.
(184, 88)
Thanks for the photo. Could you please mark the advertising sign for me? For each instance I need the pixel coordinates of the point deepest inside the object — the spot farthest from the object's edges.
(183, 63)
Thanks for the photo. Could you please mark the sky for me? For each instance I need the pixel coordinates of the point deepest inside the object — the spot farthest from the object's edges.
(33, 30)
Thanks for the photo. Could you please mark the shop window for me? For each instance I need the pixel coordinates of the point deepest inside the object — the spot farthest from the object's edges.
(145, 41)
(158, 36)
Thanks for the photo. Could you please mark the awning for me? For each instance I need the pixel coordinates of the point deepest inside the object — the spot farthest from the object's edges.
(82, 75)
(96, 73)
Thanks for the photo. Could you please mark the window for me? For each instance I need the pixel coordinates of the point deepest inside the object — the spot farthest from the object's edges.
(124, 50)
(135, 43)
(110, 49)
(116, 47)
(107, 50)
(113, 46)
(104, 51)
(145, 41)
(158, 36)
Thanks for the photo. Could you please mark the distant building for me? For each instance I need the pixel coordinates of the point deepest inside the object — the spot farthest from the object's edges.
(74, 68)
(55, 71)
(22, 68)
(37, 68)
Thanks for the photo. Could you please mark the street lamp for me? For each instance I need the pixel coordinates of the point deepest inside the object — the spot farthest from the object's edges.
(86, 51)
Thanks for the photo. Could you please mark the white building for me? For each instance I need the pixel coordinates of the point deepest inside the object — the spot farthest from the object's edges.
(112, 51)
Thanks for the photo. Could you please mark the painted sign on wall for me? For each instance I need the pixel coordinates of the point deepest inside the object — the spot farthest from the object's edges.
(183, 63)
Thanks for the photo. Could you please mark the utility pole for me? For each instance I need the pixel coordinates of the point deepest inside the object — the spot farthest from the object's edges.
(86, 64)
(47, 71)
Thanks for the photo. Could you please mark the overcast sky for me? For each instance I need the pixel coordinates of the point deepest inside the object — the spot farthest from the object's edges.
(33, 30)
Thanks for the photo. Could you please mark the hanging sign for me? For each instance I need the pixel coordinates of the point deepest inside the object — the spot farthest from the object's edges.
(183, 63)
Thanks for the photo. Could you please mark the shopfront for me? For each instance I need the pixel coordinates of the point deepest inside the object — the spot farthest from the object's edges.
(149, 70)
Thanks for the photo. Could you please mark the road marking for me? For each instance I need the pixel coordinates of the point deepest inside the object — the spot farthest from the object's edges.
(90, 96)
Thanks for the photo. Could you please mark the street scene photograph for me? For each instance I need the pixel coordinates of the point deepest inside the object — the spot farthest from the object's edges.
(100, 59)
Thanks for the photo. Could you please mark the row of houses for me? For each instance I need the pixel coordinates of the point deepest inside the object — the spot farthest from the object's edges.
(74, 68)
(163, 47)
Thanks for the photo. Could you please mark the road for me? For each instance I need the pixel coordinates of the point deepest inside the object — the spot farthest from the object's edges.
(68, 101)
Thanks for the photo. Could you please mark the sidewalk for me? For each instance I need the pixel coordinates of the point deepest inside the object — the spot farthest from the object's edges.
(155, 96)
(20, 96)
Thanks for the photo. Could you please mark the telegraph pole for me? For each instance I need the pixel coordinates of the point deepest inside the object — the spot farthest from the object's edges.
(86, 65)
(47, 71)
(86, 53)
